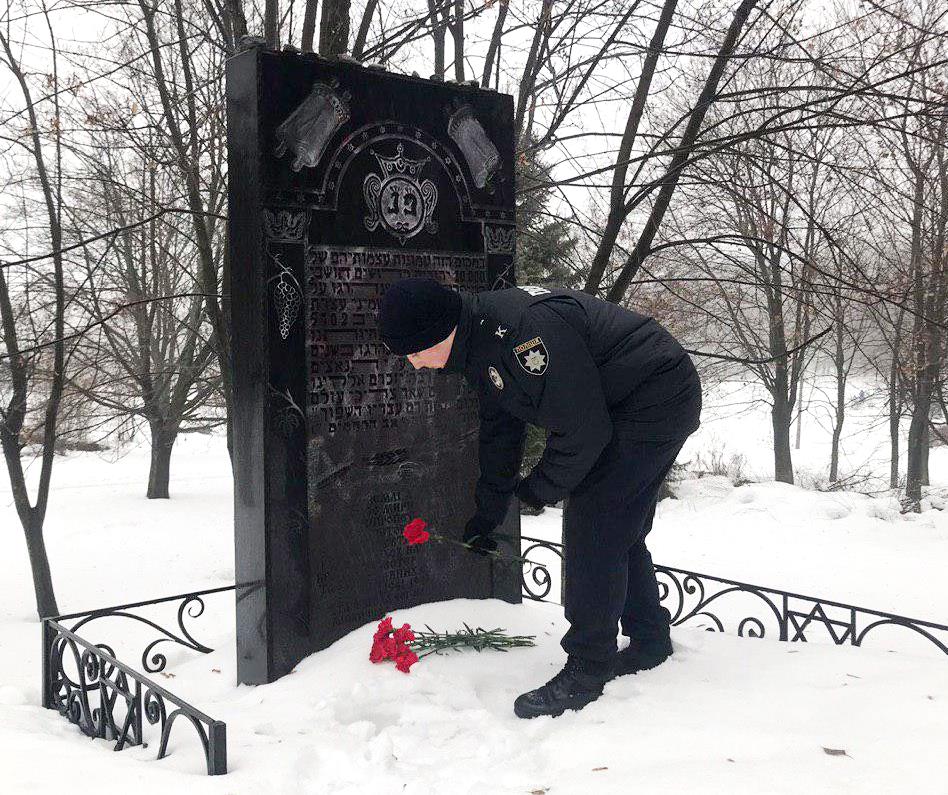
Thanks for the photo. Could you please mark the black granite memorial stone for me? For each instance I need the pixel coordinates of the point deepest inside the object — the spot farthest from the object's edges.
(343, 180)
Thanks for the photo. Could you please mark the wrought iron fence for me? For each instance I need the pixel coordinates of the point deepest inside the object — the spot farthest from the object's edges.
(105, 698)
(108, 699)
(751, 610)
(537, 579)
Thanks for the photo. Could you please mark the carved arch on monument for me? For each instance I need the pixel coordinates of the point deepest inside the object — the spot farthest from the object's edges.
(390, 131)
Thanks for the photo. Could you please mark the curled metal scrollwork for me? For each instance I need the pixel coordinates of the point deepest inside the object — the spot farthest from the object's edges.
(106, 699)
(103, 698)
(753, 611)
(927, 632)
(536, 578)
(192, 606)
(688, 597)
(155, 711)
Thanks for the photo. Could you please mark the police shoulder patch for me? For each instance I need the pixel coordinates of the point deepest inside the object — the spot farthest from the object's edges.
(532, 356)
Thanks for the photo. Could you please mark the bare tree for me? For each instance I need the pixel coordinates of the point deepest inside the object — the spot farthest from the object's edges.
(850, 329)
(41, 141)
(229, 22)
(769, 195)
(669, 181)
(925, 156)
(912, 172)
(155, 361)
(188, 110)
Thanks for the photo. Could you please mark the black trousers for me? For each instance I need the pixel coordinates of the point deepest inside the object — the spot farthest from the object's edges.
(609, 576)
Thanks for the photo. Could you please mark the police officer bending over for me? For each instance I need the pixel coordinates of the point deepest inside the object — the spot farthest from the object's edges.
(618, 396)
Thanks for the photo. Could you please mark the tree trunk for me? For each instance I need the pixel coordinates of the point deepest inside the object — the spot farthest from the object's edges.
(235, 10)
(159, 474)
(834, 450)
(32, 521)
(893, 437)
(926, 446)
(840, 361)
(530, 72)
(796, 444)
(894, 411)
(334, 28)
(309, 25)
(271, 23)
(917, 443)
(493, 49)
(32, 518)
(783, 461)
(457, 31)
(618, 211)
(438, 28)
(838, 427)
(680, 159)
(358, 46)
(39, 563)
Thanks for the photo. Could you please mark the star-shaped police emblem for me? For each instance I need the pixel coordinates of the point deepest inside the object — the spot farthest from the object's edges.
(533, 356)
(535, 361)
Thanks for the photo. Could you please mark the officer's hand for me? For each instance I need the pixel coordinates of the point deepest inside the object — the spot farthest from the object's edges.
(527, 497)
(477, 534)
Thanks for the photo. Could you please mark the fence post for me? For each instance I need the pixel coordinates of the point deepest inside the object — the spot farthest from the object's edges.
(784, 617)
(47, 647)
(217, 749)
(563, 554)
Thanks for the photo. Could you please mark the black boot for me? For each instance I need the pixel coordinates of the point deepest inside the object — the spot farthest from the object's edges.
(641, 655)
(578, 684)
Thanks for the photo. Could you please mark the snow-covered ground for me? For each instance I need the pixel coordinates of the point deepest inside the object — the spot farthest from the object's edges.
(724, 715)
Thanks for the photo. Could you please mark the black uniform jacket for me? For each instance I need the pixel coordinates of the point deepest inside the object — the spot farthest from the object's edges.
(575, 365)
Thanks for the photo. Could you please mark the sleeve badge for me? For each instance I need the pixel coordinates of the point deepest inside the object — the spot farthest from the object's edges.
(532, 356)
(495, 377)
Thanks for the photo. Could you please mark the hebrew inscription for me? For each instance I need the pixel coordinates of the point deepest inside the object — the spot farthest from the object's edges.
(354, 384)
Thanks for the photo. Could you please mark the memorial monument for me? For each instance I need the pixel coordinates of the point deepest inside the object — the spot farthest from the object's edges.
(344, 179)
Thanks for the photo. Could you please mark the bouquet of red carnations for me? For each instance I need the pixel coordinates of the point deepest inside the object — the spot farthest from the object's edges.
(402, 645)
(405, 646)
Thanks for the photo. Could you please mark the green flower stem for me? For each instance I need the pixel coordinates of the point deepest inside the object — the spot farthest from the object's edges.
(479, 639)
(493, 553)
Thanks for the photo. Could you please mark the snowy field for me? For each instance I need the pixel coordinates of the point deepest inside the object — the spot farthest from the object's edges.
(724, 715)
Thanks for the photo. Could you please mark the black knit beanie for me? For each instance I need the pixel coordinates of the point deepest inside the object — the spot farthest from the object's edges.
(416, 313)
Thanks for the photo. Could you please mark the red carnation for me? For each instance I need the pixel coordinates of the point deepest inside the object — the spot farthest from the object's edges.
(415, 532)
(383, 648)
(378, 652)
(392, 644)
(404, 634)
(384, 628)
(405, 658)
(401, 645)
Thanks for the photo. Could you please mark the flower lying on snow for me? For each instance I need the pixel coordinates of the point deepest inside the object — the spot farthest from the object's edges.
(402, 644)
(392, 644)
